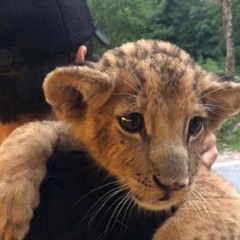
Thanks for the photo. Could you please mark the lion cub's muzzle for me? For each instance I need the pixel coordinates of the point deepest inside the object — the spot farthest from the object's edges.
(170, 168)
(176, 186)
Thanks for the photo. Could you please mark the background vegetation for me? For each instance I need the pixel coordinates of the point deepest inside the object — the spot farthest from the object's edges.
(194, 25)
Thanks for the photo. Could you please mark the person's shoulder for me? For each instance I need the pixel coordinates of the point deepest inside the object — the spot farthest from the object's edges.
(68, 161)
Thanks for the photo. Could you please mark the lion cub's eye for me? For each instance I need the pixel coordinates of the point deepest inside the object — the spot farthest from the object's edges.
(195, 125)
(132, 122)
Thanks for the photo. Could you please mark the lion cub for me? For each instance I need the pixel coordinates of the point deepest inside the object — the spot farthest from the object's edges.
(142, 112)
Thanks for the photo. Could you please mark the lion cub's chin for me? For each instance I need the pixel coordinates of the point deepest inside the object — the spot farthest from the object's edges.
(164, 202)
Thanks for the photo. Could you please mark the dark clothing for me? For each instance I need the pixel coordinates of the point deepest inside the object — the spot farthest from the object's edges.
(76, 205)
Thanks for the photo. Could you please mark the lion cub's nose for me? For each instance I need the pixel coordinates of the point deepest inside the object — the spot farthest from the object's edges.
(177, 185)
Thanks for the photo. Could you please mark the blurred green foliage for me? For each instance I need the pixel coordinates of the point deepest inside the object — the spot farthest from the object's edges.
(194, 25)
(213, 66)
(228, 137)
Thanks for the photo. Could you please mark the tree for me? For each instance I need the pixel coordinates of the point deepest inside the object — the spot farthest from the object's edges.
(236, 33)
(228, 34)
(193, 25)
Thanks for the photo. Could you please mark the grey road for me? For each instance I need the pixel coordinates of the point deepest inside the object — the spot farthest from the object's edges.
(229, 171)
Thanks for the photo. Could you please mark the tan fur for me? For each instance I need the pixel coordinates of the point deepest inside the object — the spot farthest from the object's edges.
(23, 158)
(163, 84)
(211, 211)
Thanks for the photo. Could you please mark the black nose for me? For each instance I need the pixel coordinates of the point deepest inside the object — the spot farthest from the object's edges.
(168, 188)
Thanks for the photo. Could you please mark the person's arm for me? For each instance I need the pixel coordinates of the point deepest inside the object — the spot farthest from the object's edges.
(23, 158)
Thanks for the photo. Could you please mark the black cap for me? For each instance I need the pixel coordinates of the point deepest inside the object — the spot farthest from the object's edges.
(35, 29)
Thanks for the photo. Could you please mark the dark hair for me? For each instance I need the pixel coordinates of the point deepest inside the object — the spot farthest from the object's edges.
(21, 87)
(21, 84)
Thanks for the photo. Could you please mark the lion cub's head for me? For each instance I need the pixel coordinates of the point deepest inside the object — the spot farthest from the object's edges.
(143, 112)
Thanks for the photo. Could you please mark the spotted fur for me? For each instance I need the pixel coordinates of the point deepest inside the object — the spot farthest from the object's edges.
(136, 113)
(160, 163)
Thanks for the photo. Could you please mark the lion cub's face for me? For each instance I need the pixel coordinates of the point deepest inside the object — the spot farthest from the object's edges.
(143, 112)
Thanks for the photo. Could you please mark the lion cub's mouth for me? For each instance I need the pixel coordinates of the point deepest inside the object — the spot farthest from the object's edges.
(170, 195)
(168, 189)
(165, 197)
(168, 200)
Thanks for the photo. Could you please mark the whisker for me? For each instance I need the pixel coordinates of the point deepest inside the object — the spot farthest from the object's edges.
(125, 198)
(106, 196)
(133, 87)
(94, 190)
(104, 202)
(130, 202)
(125, 94)
(138, 82)
(214, 90)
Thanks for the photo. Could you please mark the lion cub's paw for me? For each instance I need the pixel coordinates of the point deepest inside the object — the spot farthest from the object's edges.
(16, 207)
(23, 158)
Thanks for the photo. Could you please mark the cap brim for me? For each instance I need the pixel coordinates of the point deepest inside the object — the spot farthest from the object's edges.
(101, 37)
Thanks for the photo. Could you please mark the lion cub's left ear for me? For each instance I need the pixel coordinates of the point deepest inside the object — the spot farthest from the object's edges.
(222, 100)
(71, 90)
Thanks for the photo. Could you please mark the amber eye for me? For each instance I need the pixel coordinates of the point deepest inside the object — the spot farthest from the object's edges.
(195, 125)
(132, 122)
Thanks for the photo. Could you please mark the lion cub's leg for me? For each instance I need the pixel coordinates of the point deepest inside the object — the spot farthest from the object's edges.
(23, 158)
(211, 211)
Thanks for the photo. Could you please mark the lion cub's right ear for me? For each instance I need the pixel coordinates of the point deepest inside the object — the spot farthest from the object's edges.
(72, 91)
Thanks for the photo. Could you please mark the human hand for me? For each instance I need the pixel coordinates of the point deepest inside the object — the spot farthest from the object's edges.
(209, 151)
